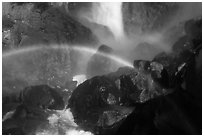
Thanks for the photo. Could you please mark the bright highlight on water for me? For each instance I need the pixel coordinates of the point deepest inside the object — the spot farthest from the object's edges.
(109, 14)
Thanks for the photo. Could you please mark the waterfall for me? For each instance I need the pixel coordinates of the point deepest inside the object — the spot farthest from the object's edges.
(110, 15)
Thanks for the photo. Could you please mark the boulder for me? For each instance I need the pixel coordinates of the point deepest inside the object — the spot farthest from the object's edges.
(183, 52)
(96, 105)
(101, 103)
(99, 64)
(41, 96)
(165, 115)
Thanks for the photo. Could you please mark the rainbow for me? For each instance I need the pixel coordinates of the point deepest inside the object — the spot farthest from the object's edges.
(66, 47)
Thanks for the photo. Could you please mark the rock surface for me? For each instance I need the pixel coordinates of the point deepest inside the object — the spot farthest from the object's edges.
(33, 106)
(141, 17)
(153, 89)
(99, 64)
(33, 23)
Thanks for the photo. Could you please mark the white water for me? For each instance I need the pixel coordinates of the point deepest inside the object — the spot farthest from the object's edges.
(109, 14)
(79, 78)
(62, 120)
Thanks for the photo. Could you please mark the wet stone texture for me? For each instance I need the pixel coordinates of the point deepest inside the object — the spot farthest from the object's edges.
(30, 23)
(99, 64)
(154, 97)
(32, 109)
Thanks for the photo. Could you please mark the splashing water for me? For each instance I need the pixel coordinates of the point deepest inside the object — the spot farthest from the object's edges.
(79, 78)
(62, 121)
(109, 14)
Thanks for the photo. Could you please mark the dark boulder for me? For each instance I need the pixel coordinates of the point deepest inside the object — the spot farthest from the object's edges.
(193, 29)
(101, 103)
(41, 96)
(95, 105)
(164, 115)
(183, 52)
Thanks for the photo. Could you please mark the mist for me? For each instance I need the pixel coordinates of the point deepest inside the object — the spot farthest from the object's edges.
(109, 26)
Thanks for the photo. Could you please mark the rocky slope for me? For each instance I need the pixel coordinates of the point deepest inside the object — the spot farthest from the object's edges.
(147, 99)
(26, 24)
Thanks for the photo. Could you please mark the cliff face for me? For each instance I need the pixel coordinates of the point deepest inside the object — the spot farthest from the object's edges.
(144, 16)
(26, 24)
(141, 17)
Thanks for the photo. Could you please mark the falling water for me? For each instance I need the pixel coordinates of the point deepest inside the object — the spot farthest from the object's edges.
(109, 14)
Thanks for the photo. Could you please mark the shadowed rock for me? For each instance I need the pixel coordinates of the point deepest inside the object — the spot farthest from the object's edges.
(99, 64)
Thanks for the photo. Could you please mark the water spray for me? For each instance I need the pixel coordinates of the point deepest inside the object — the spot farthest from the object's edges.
(77, 48)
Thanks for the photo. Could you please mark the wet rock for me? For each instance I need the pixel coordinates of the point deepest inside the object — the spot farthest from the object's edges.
(95, 105)
(7, 23)
(145, 51)
(101, 103)
(34, 105)
(146, 17)
(159, 74)
(93, 94)
(43, 23)
(99, 64)
(164, 115)
(193, 29)
(13, 131)
(41, 97)
(184, 50)
(145, 81)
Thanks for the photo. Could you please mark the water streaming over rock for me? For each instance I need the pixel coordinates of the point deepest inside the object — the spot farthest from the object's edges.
(109, 14)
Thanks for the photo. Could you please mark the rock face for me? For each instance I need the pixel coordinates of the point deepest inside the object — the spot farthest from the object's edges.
(146, 17)
(99, 64)
(41, 96)
(28, 24)
(94, 104)
(184, 51)
(166, 115)
(170, 113)
(102, 102)
(153, 88)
